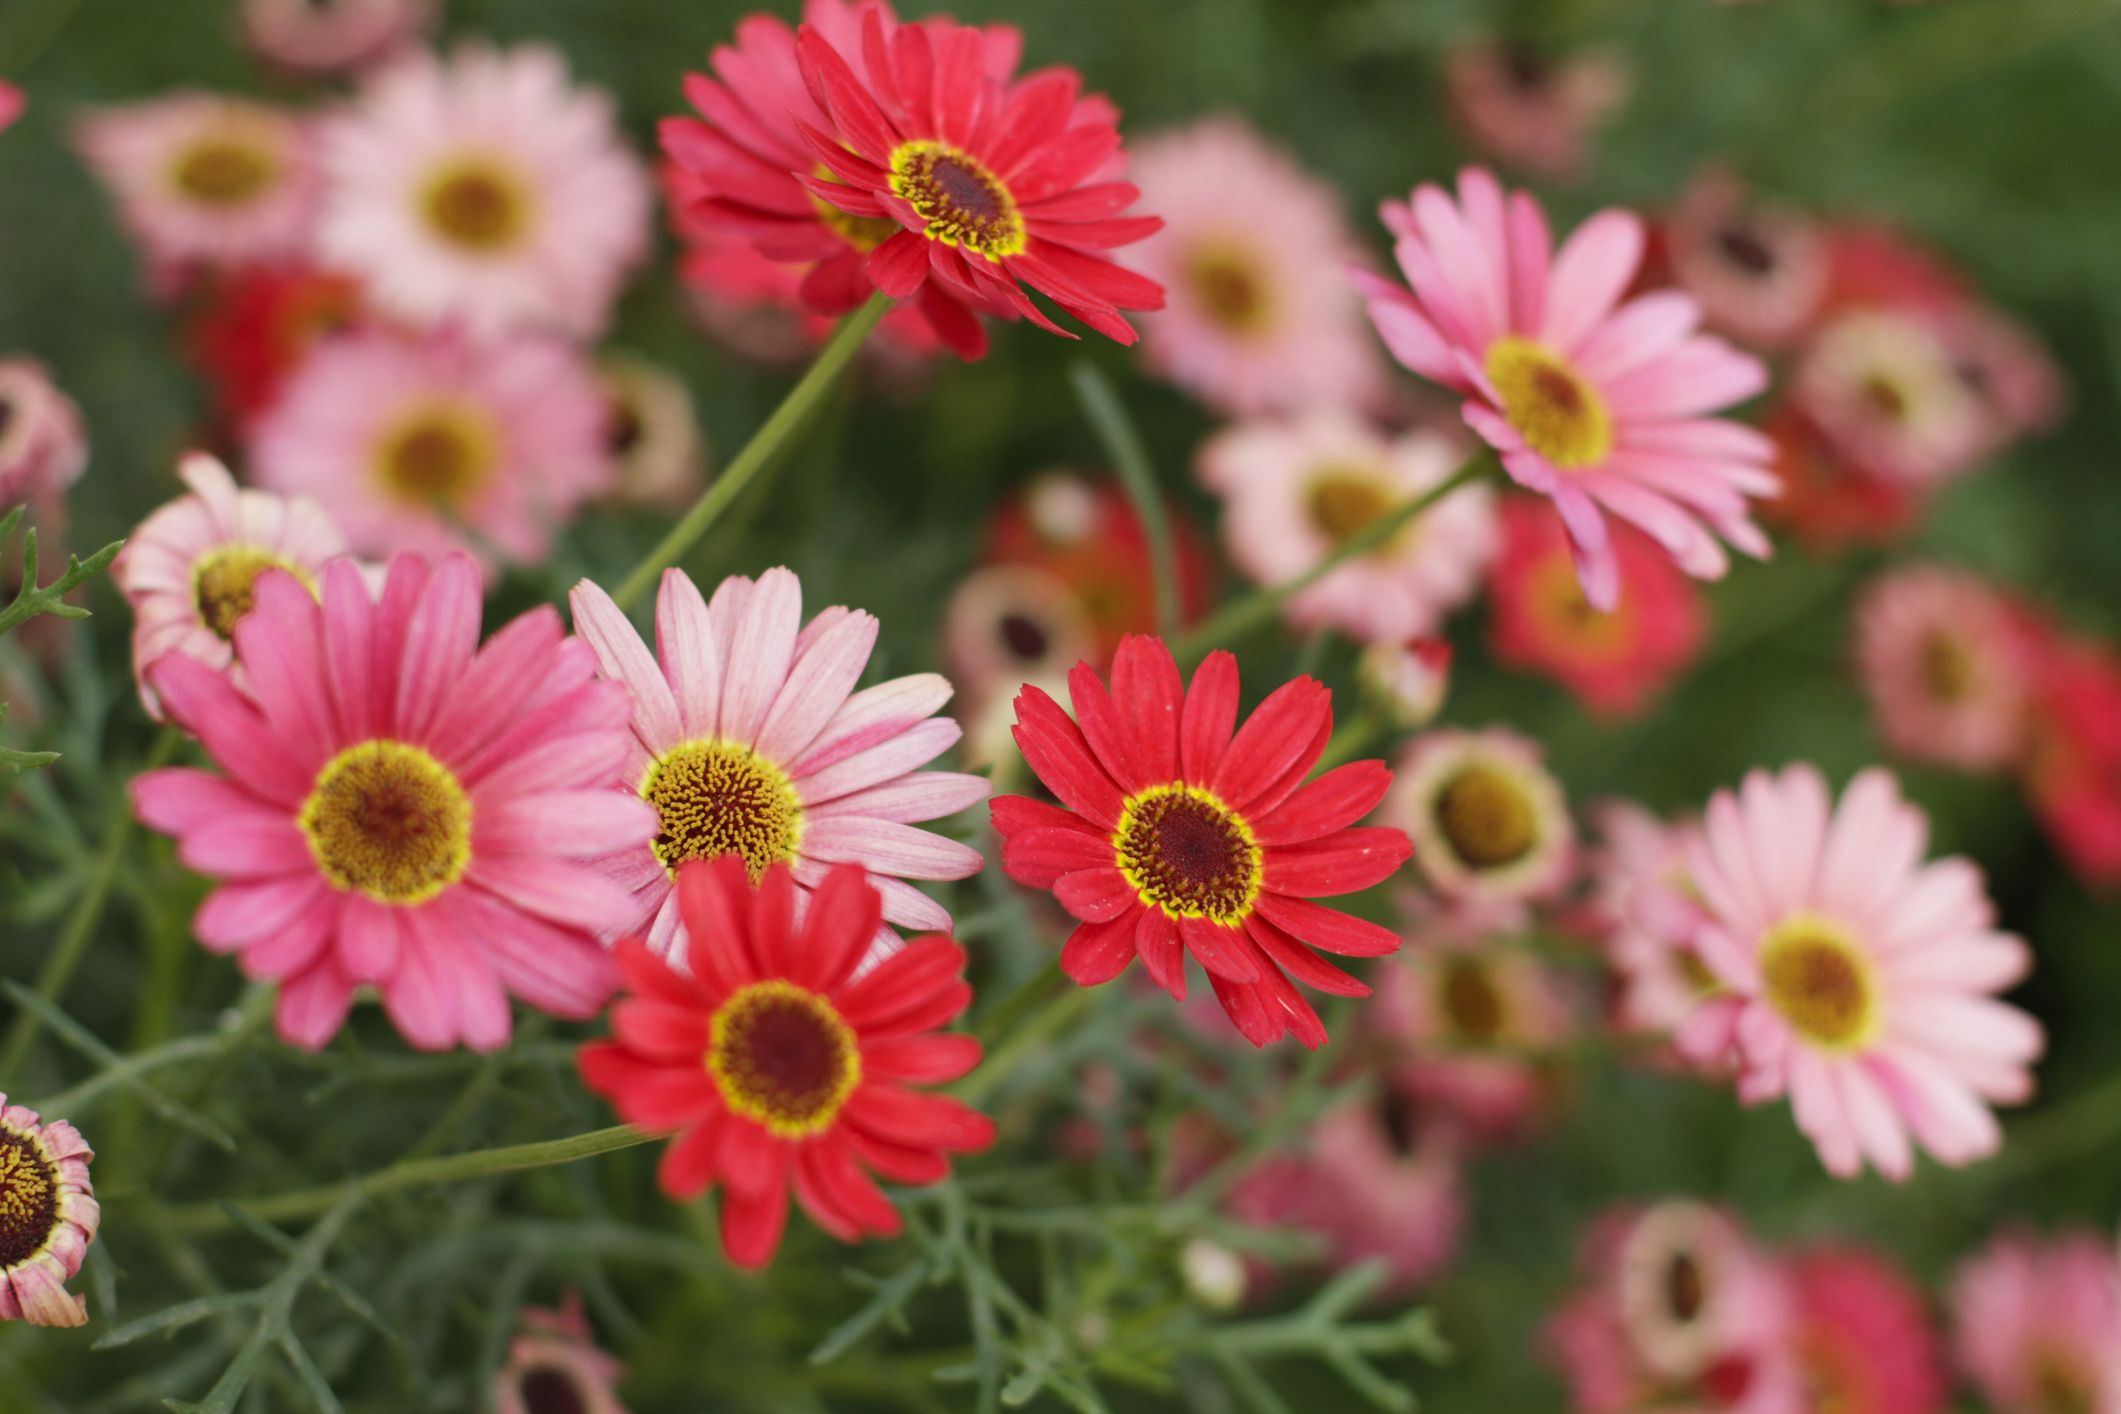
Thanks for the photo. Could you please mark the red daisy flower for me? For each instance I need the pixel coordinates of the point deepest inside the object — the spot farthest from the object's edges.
(994, 180)
(778, 1067)
(1183, 833)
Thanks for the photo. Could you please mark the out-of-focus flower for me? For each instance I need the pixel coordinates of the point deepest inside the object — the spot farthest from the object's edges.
(257, 325)
(1488, 819)
(782, 1068)
(1409, 679)
(402, 808)
(1863, 1340)
(1614, 662)
(1828, 500)
(1759, 267)
(555, 1367)
(2017, 381)
(48, 1216)
(1533, 111)
(203, 180)
(43, 444)
(1857, 979)
(1881, 385)
(12, 102)
(749, 739)
(2074, 768)
(485, 192)
(1180, 833)
(651, 432)
(1950, 664)
(993, 179)
(1214, 1275)
(1651, 913)
(2037, 1323)
(1294, 492)
(1259, 317)
(1599, 404)
(1007, 625)
(422, 442)
(331, 36)
(191, 570)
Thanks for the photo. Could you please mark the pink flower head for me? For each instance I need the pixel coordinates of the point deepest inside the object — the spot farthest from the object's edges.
(1530, 110)
(1883, 387)
(12, 102)
(555, 1367)
(652, 432)
(1650, 912)
(1293, 492)
(1759, 268)
(1859, 980)
(335, 36)
(1597, 403)
(1489, 822)
(1949, 663)
(485, 191)
(1007, 625)
(1862, 1335)
(205, 180)
(43, 445)
(48, 1216)
(750, 739)
(402, 808)
(410, 442)
(1410, 680)
(1258, 317)
(190, 571)
(2037, 1324)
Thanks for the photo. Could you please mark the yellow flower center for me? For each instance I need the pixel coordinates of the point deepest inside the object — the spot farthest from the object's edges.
(1820, 982)
(1559, 415)
(224, 171)
(964, 204)
(29, 1198)
(438, 453)
(782, 1056)
(720, 797)
(1947, 668)
(864, 233)
(388, 819)
(1231, 288)
(1487, 818)
(481, 205)
(1471, 1002)
(1343, 501)
(224, 580)
(2062, 1384)
(1189, 854)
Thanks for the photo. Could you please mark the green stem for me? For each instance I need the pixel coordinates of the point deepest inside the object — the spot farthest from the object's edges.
(759, 453)
(414, 1173)
(1261, 605)
(1131, 460)
(72, 947)
(1026, 1021)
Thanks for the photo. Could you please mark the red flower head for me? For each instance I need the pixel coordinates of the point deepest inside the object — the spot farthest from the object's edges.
(259, 324)
(2074, 770)
(779, 1067)
(993, 179)
(1863, 1335)
(1179, 836)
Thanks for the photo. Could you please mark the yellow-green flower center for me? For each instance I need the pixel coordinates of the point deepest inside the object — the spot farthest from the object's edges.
(439, 453)
(718, 797)
(964, 204)
(1487, 818)
(1231, 288)
(481, 205)
(1343, 501)
(224, 171)
(1818, 979)
(1559, 414)
(224, 581)
(1189, 854)
(782, 1056)
(388, 819)
(1472, 1005)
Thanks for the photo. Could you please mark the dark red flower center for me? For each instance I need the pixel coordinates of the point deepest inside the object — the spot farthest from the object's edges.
(29, 1198)
(783, 1057)
(1686, 1289)
(964, 204)
(1187, 853)
(1746, 250)
(549, 1389)
(1025, 636)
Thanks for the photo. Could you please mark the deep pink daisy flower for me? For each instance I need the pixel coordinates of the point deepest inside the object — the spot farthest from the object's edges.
(2037, 1323)
(1599, 404)
(994, 180)
(401, 807)
(1180, 832)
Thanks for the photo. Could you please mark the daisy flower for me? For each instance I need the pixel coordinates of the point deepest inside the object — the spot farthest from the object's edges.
(1759, 268)
(651, 432)
(1948, 662)
(1010, 624)
(1862, 1335)
(1409, 679)
(749, 739)
(1489, 822)
(1859, 981)
(1259, 317)
(1294, 492)
(781, 1068)
(257, 325)
(191, 570)
(1830, 501)
(485, 191)
(12, 102)
(2073, 771)
(331, 36)
(48, 1216)
(1615, 663)
(1597, 403)
(555, 1367)
(995, 180)
(2037, 1324)
(400, 807)
(1883, 387)
(1181, 833)
(205, 180)
(1650, 913)
(43, 444)
(418, 443)
(1530, 110)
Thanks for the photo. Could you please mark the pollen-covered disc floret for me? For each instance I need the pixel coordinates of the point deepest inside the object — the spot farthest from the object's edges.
(1489, 822)
(1557, 413)
(782, 1069)
(963, 204)
(389, 820)
(721, 797)
(48, 1216)
(1188, 854)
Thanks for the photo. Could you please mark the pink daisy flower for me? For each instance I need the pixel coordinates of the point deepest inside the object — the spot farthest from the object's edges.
(749, 739)
(43, 444)
(652, 432)
(48, 1216)
(485, 191)
(1489, 822)
(1530, 110)
(205, 180)
(1650, 913)
(2037, 1324)
(331, 36)
(1597, 403)
(1859, 980)
(1410, 680)
(400, 807)
(1862, 1335)
(12, 102)
(555, 1367)
(1883, 387)
(1759, 268)
(1949, 664)
(410, 443)
(190, 570)
(1258, 317)
(1293, 492)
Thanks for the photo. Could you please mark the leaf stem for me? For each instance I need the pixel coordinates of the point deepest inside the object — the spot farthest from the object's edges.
(1123, 444)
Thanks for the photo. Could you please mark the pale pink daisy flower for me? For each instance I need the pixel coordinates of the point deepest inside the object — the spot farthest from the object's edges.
(1949, 664)
(1599, 404)
(1884, 388)
(1489, 822)
(1856, 979)
(43, 444)
(485, 191)
(332, 36)
(190, 569)
(1006, 625)
(555, 1367)
(48, 1216)
(1759, 267)
(1258, 317)
(201, 179)
(2037, 1324)
(411, 443)
(402, 808)
(1293, 492)
(749, 739)
(1650, 912)
(1530, 110)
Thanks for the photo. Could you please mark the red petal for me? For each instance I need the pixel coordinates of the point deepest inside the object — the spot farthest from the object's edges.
(1334, 801)
(854, 113)
(838, 926)
(1084, 203)
(1095, 895)
(1038, 858)
(928, 966)
(687, 1166)
(714, 900)
(1273, 739)
(1012, 813)
(1156, 940)
(1055, 749)
(1209, 716)
(898, 1162)
(752, 1225)
(920, 1060)
(919, 1121)
(1036, 111)
(1146, 683)
(1098, 952)
(1344, 863)
(1222, 951)
(1327, 929)
(899, 265)
(1102, 729)
(1300, 962)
